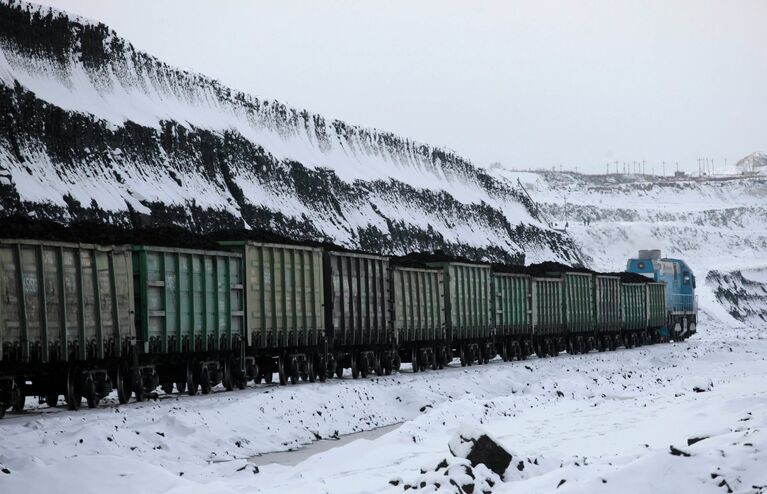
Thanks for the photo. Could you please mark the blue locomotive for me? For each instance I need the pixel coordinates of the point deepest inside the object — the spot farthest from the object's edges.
(681, 302)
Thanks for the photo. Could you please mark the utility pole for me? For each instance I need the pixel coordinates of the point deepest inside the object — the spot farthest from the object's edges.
(607, 169)
(664, 168)
(616, 167)
(644, 170)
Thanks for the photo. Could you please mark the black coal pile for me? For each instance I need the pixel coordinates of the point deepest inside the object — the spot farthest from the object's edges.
(103, 234)
(627, 277)
(267, 236)
(22, 227)
(421, 259)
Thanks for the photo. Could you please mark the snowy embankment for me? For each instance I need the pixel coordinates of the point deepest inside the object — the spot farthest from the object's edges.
(600, 421)
(718, 226)
(138, 141)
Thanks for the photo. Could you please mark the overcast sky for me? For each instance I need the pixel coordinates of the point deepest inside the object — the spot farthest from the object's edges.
(528, 84)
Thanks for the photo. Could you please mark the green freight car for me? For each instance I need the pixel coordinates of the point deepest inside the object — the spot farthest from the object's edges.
(512, 314)
(189, 321)
(633, 308)
(657, 317)
(643, 307)
(547, 315)
(580, 320)
(66, 316)
(418, 315)
(607, 309)
(284, 306)
(467, 308)
(357, 313)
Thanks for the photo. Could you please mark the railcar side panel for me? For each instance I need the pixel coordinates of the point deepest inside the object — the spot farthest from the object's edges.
(284, 297)
(418, 308)
(63, 301)
(634, 308)
(357, 293)
(547, 306)
(511, 304)
(188, 300)
(607, 302)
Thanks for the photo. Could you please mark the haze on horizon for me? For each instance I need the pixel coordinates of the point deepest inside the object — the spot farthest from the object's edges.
(527, 84)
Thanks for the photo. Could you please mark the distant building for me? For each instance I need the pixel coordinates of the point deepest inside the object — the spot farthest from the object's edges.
(680, 174)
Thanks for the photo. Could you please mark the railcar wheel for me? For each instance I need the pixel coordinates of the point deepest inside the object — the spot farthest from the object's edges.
(52, 399)
(229, 377)
(167, 388)
(414, 359)
(364, 364)
(205, 385)
(268, 376)
(138, 391)
(18, 397)
(339, 372)
(294, 371)
(282, 370)
(378, 365)
(181, 387)
(89, 391)
(355, 367)
(123, 384)
(310, 372)
(434, 365)
(74, 395)
(192, 380)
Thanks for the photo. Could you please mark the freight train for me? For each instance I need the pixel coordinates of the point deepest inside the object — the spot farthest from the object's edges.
(81, 320)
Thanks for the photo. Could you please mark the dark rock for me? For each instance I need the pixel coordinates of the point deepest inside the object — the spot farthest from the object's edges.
(694, 440)
(478, 447)
(678, 452)
(561, 482)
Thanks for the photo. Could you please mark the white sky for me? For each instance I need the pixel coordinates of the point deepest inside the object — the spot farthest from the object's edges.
(529, 84)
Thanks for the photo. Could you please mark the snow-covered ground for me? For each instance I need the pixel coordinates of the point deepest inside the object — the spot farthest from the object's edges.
(599, 422)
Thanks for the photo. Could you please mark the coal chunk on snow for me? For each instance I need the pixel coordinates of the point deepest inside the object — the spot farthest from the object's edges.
(479, 448)
(678, 452)
(453, 475)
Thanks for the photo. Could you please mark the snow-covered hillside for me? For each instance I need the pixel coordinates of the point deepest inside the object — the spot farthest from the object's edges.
(717, 225)
(753, 163)
(92, 128)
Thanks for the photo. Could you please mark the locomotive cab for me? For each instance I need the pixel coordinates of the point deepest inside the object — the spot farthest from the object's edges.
(681, 302)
